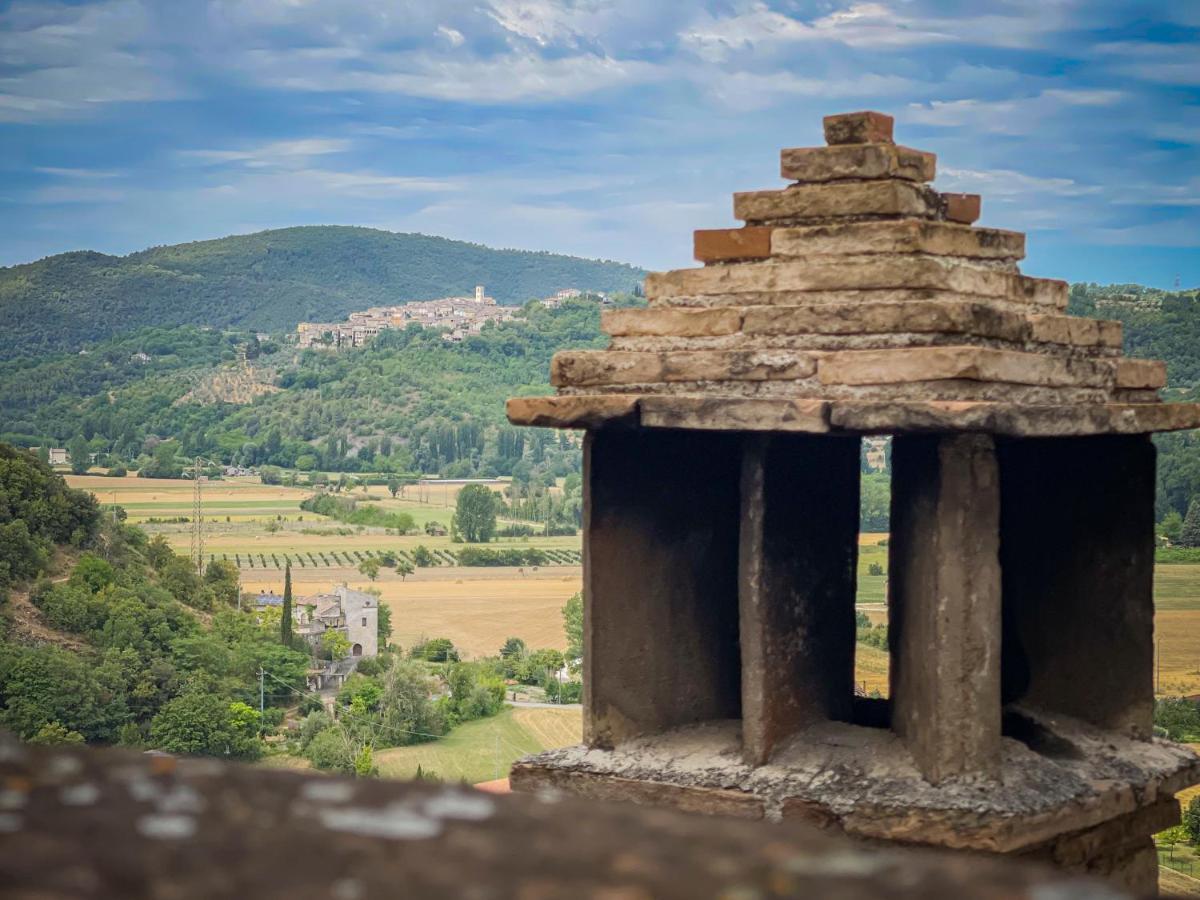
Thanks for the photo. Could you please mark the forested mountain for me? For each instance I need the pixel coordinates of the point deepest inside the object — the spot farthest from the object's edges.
(269, 281)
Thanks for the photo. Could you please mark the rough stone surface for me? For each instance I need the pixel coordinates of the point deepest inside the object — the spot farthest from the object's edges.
(797, 577)
(854, 273)
(570, 412)
(673, 322)
(1141, 373)
(903, 236)
(1075, 330)
(586, 368)
(661, 516)
(885, 197)
(866, 783)
(858, 128)
(724, 244)
(705, 413)
(864, 317)
(944, 602)
(853, 416)
(1078, 623)
(814, 164)
(865, 417)
(236, 832)
(811, 389)
(964, 208)
(971, 363)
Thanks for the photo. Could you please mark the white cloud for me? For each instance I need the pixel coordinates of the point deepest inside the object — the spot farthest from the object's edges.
(510, 78)
(274, 154)
(1005, 184)
(1014, 116)
(66, 60)
(1177, 64)
(452, 35)
(61, 172)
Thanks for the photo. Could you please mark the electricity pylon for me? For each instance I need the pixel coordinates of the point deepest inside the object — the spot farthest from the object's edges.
(198, 515)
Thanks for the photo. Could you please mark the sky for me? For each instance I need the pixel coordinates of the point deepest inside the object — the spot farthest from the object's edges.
(602, 128)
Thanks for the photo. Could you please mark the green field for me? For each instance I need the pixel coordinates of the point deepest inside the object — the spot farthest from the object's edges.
(482, 750)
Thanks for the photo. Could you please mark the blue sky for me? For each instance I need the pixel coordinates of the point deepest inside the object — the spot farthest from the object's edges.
(605, 128)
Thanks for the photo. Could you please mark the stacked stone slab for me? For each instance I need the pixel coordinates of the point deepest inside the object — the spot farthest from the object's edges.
(721, 472)
(863, 289)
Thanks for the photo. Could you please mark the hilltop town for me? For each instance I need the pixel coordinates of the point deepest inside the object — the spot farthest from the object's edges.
(460, 316)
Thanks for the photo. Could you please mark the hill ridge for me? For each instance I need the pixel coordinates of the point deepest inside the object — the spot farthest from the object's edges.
(269, 281)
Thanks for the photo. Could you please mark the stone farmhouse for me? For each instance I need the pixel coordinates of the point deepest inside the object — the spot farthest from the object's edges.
(354, 613)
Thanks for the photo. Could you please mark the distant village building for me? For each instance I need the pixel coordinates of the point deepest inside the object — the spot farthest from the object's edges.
(140, 357)
(354, 613)
(58, 456)
(461, 316)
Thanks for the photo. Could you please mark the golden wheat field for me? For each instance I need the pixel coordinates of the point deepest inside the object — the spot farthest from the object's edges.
(476, 608)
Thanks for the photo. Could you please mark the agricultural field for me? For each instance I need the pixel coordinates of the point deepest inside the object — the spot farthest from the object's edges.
(261, 526)
(476, 608)
(482, 750)
(258, 526)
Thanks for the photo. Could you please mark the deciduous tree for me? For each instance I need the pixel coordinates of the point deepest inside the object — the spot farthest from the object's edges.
(475, 513)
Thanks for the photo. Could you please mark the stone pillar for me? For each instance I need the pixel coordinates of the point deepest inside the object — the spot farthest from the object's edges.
(1077, 550)
(798, 549)
(660, 581)
(944, 615)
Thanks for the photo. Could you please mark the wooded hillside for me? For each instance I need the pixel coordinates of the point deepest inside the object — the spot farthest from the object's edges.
(269, 281)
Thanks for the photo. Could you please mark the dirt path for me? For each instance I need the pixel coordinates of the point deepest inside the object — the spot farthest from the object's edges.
(29, 626)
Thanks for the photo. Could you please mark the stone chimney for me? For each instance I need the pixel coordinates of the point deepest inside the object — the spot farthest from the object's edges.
(721, 470)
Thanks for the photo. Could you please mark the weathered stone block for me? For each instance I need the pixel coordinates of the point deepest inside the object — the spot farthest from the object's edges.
(891, 197)
(914, 317)
(734, 414)
(661, 511)
(724, 244)
(1074, 330)
(944, 603)
(971, 363)
(820, 274)
(814, 164)
(798, 553)
(1078, 622)
(1020, 420)
(964, 208)
(741, 365)
(1141, 373)
(851, 273)
(592, 367)
(1040, 291)
(858, 128)
(898, 236)
(670, 322)
(587, 411)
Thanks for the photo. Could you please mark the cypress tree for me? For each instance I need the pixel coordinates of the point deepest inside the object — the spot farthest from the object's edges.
(285, 620)
(1189, 534)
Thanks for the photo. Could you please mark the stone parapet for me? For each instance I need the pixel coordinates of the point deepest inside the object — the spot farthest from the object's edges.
(120, 825)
